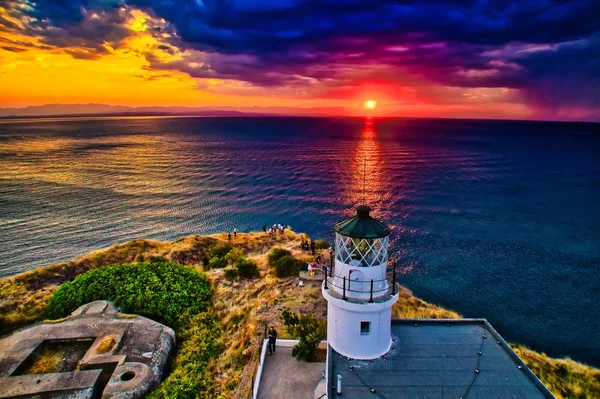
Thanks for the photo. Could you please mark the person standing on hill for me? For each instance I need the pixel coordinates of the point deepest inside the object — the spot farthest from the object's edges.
(272, 339)
(265, 228)
(235, 231)
(312, 246)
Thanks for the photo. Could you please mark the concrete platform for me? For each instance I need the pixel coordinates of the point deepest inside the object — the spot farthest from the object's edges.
(285, 377)
(319, 275)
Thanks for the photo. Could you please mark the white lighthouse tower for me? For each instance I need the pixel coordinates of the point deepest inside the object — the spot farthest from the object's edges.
(359, 294)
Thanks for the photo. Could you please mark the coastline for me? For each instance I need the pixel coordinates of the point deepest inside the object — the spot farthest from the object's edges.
(24, 297)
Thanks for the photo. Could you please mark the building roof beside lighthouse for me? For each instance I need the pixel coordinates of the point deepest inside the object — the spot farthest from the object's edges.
(362, 225)
(459, 358)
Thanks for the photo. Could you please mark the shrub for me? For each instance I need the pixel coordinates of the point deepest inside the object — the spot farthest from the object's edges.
(201, 342)
(322, 244)
(230, 273)
(306, 328)
(275, 255)
(246, 268)
(216, 262)
(159, 290)
(233, 256)
(219, 250)
(288, 266)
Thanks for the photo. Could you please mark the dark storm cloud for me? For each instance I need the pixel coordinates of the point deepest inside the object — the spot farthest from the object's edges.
(539, 46)
(167, 49)
(566, 74)
(14, 49)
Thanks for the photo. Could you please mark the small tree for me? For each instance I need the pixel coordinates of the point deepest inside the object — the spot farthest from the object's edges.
(246, 268)
(230, 273)
(306, 328)
(288, 266)
(234, 255)
(219, 250)
(216, 263)
(275, 255)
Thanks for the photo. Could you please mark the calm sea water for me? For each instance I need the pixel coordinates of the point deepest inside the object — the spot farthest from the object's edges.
(493, 219)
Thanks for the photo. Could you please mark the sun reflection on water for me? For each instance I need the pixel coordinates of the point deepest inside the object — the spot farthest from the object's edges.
(369, 181)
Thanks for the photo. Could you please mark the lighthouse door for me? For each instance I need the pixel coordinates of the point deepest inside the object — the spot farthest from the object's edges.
(356, 283)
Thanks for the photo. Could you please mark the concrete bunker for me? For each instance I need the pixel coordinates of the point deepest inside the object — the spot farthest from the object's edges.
(96, 352)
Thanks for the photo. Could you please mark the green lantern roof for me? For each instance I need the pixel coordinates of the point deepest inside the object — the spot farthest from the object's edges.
(362, 225)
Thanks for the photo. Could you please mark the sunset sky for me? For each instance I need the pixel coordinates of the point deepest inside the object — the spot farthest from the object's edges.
(483, 59)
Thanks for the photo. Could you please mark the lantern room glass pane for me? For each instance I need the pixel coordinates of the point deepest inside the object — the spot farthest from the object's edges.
(363, 252)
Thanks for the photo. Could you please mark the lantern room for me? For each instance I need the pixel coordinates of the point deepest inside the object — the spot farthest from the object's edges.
(361, 255)
(361, 240)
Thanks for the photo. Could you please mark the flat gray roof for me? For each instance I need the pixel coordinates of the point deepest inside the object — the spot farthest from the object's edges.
(435, 358)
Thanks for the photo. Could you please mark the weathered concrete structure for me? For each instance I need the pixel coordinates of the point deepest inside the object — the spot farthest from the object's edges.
(117, 356)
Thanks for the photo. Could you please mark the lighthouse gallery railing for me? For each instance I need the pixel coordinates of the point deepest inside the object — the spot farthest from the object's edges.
(350, 286)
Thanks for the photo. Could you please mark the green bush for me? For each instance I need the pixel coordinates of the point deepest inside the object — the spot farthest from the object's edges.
(246, 268)
(201, 342)
(220, 250)
(159, 290)
(288, 266)
(216, 262)
(234, 255)
(322, 244)
(275, 255)
(308, 330)
(230, 273)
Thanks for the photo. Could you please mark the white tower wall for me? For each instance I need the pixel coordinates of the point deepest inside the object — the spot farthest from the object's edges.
(344, 322)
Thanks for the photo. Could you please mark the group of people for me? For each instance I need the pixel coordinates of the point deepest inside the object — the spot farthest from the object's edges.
(278, 227)
(308, 247)
(318, 264)
(234, 233)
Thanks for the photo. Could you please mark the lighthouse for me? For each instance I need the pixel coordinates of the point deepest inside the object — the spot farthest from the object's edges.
(359, 293)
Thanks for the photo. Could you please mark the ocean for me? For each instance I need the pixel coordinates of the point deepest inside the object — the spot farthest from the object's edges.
(493, 219)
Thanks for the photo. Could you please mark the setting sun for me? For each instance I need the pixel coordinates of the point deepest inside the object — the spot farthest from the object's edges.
(370, 104)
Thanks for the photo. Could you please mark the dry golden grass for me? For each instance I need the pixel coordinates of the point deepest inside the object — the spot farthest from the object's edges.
(106, 345)
(566, 378)
(126, 316)
(245, 307)
(55, 321)
(409, 306)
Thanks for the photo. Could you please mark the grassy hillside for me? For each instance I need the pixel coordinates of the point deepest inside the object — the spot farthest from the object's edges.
(241, 309)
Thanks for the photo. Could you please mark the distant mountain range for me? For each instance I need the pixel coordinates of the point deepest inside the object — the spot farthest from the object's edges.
(108, 110)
